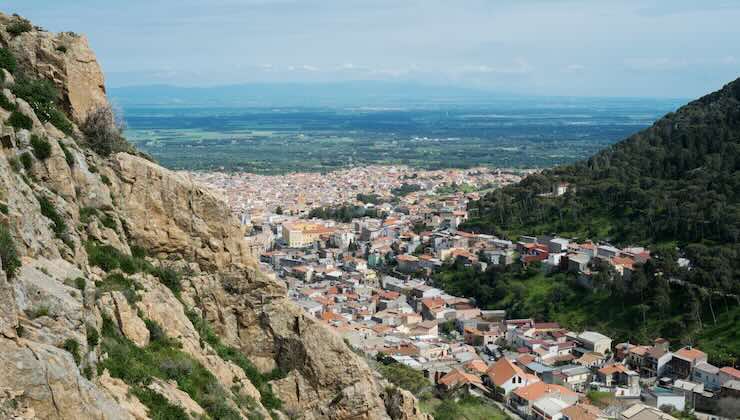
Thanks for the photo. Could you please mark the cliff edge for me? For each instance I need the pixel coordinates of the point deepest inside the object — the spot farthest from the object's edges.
(127, 291)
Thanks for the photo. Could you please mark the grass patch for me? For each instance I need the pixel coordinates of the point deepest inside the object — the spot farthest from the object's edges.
(41, 147)
(403, 376)
(20, 121)
(71, 345)
(467, 407)
(38, 312)
(163, 359)
(18, 26)
(49, 211)
(158, 407)
(117, 282)
(5, 102)
(8, 252)
(259, 380)
(67, 155)
(7, 60)
(93, 337)
(26, 161)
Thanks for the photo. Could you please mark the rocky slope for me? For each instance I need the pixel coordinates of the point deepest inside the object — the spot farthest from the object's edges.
(127, 291)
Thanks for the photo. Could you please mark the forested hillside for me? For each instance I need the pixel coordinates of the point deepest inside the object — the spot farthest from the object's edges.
(673, 187)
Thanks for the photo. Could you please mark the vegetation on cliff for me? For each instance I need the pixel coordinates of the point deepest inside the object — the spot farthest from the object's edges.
(673, 187)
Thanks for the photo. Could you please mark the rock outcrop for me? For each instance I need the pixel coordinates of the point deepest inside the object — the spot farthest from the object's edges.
(72, 219)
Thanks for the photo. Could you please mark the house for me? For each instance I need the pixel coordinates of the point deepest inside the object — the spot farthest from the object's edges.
(618, 375)
(573, 377)
(522, 399)
(432, 307)
(595, 342)
(456, 379)
(655, 361)
(312, 307)
(643, 412)
(425, 330)
(549, 408)
(658, 396)
(591, 360)
(408, 263)
(583, 412)
(505, 376)
(707, 374)
(476, 337)
(684, 360)
(727, 374)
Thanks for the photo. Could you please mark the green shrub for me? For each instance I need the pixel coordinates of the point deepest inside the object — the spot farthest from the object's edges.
(257, 378)
(108, 221)
(109, 258)
(61, 48)
(80, 283)
(158, 407)
(93, 337)
(67, 155)
(161, 359)
(42, 95)
(169, 277)
(7, 60)
(104, 133)
(59, 120)
(38, 312)
(117, 282)
(41, 147)
(105, 180)
(8, 252)
(404, 377)
(86, 214)
(71, 345)
(14, 164)
(19, 26)
(4, 208)
(50, 212)
(5, 102)
(19, 121)
(27, 161)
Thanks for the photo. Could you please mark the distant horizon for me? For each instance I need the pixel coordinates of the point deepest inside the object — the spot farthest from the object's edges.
(568, 48)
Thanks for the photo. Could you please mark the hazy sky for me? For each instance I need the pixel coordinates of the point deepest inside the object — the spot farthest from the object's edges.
(674, 48)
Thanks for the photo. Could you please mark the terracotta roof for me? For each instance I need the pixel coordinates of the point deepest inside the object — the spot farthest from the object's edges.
(476, 365)
(582, 412)
(731, 371)
(457, 377)
(502, 371)
(612, 369)
(690, 353)
(538, 390)
(639, 350)
(433, 303)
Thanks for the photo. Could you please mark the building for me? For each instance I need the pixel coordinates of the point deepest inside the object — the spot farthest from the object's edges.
(505, 376)
(522, 399)
(707, 374)
(644, 412)
(302, 234)
(684, 360)
(595, 342)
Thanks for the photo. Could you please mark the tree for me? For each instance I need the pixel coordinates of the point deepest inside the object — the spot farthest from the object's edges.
(104, 132)
(279, 210)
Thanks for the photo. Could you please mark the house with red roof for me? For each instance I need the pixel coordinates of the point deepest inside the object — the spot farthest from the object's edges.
(505, 376)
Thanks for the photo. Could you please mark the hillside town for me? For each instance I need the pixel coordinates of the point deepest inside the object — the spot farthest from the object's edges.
(369, 280)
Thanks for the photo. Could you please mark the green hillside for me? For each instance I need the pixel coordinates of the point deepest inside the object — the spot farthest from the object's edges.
(673, 187)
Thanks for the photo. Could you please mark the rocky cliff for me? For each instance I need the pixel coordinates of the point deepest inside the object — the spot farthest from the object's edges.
(126, 290)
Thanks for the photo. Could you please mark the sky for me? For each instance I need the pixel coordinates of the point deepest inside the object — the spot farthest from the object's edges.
(640, 48)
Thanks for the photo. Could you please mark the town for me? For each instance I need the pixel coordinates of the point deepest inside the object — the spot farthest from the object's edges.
(366, 274)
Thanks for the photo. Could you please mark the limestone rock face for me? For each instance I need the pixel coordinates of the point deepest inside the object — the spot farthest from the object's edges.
(171, 215)
(51, 383)
(54, 306)
(65, 59)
